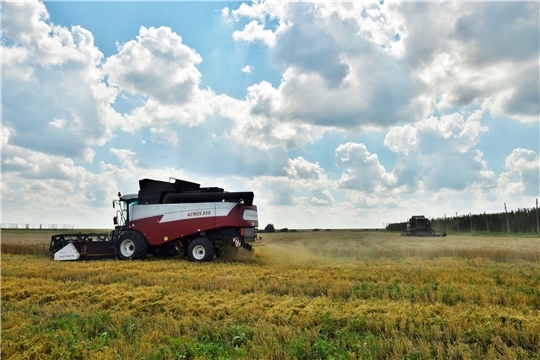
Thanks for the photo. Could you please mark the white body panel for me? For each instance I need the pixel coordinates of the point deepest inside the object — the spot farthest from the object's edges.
(175, 212)
(250, 215)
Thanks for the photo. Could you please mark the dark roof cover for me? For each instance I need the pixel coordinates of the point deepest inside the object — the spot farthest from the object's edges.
(245, 197)
(155, 192)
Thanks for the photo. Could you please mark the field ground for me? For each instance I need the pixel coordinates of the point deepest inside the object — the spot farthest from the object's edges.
(304, 295)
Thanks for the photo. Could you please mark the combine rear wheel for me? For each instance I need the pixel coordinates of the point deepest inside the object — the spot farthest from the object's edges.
(131, 245)
(200, 250)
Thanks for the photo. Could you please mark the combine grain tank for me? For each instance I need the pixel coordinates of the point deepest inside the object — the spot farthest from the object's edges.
(166, 219)
(419, 225)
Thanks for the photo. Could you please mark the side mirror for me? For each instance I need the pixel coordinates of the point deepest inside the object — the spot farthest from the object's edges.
(113, 204)
(115, 220)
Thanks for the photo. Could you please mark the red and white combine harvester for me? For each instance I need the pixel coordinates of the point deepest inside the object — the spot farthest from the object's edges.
(167, 219)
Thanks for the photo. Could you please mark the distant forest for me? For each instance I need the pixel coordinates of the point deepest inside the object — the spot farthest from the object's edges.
(518, 221)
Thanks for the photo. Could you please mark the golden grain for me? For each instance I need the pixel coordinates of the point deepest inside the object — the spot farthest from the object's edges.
(341, 294)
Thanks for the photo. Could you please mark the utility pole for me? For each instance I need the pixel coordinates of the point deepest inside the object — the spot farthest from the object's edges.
(507, 223)
(457, 222)
(537, 223)
(470, 220)
(445, 228)
(485, 217)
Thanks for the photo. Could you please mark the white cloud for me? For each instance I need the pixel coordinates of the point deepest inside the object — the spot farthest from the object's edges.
(55, 70)
(345, 67)
(259, 122)
(438, 154)
(25, 24)
(17, 163)
(363, 170)
(123, 154)
(225, 13)
(416, 70)
(335, 73)
(435, 154)
(263, 99)
(303, 184)
(155, 115)
(522, 160)
(247, 69)
(57, 123)
(255, 11)
(255, 32)
(465, 56)
(32, 181)
(457, 132)
(402, 139)
(300, 168)
(4, 135)
(157, 65)
(523, 178)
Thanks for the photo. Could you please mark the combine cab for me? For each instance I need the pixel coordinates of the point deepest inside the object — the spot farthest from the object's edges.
(420, 226)
(167, 219)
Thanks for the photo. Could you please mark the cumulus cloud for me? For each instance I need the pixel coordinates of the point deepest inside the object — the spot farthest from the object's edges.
(336, 73)
(523, 177)
(33, 180)
(162, 118)
(402, 139)
(479, 31)
(255, 10)
(425, 72)
(311, 48)
(157, 65)
(363, 170)
(356, 65)
(258, 121)
(304, 183)
(522, 160)
(464, 55)
(55, 70)
(255, 32)
(300, 168)
(263, 99)
(435, 154)
(25, 23)
(438, 154)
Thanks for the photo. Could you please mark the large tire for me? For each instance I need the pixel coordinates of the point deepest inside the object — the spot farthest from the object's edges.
(131, 245)
(200, 250)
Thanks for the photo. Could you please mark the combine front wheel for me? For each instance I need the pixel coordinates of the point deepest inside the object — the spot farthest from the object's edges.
(131, 245)
(200, 250)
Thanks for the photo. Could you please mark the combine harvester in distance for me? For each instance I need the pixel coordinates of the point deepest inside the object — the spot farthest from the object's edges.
(167, 219)
(419, 225)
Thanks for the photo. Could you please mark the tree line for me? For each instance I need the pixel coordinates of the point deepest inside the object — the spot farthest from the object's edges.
(518, 221)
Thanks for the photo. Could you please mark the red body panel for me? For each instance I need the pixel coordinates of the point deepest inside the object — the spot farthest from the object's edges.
(167, 222)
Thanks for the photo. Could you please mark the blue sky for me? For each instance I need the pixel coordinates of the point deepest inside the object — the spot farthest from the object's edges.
(336, 114)
(199, 24)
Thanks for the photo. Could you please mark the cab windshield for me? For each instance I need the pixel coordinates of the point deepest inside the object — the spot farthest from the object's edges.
(125, 209)
(129, 209)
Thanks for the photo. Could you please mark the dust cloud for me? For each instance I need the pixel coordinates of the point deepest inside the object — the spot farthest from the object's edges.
(346, 246)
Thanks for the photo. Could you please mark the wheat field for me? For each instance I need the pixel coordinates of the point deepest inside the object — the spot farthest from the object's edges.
(303, 295)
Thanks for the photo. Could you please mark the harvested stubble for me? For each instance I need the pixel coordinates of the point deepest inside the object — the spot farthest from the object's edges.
(304, 295)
